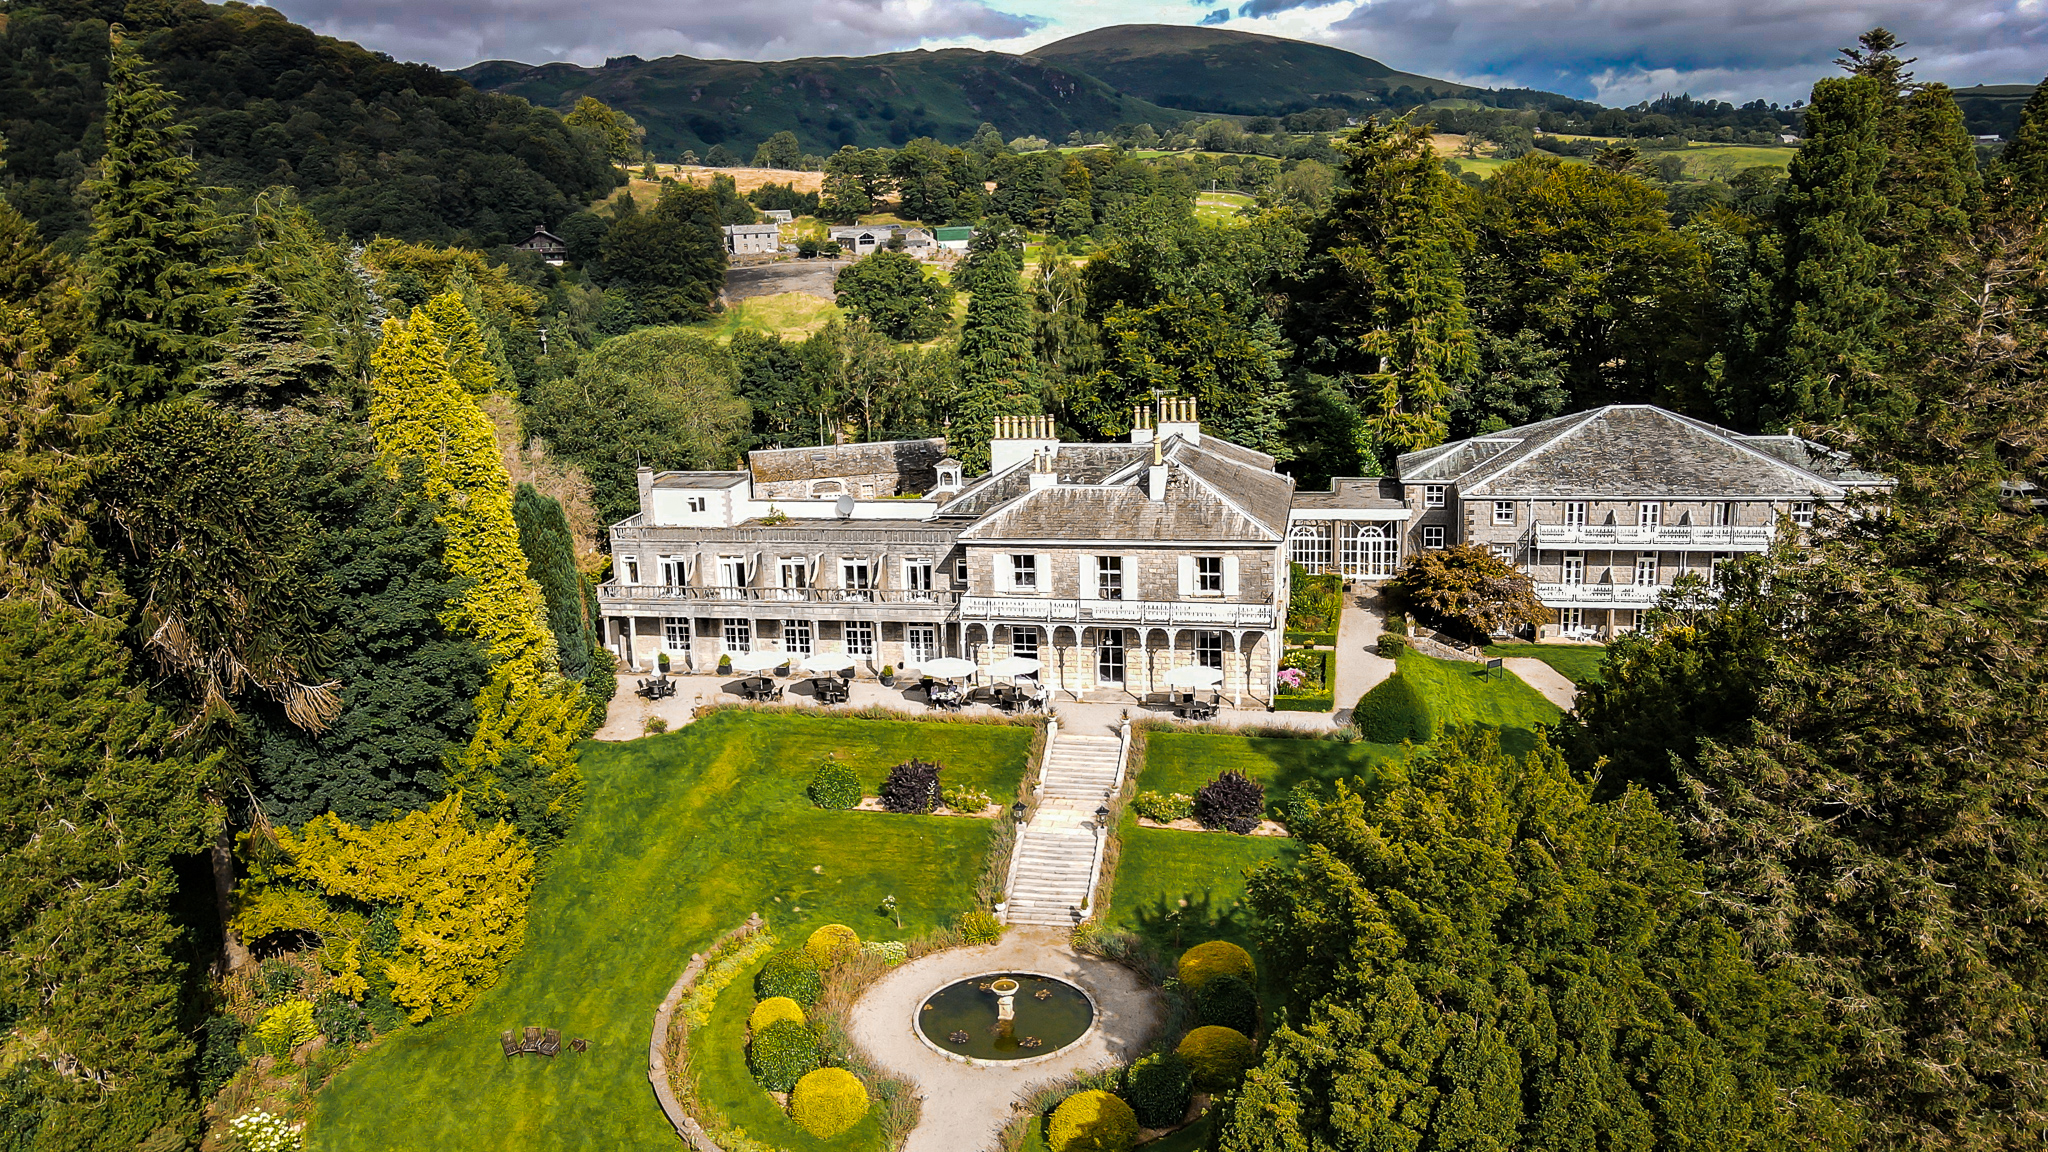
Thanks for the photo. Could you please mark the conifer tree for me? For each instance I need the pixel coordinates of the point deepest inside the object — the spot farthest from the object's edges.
(521, 763)
(551, 561)
(153, 299)
(996, 376)
(2025, 159)
(1387, 293)
(1834, 293)
(270, 364)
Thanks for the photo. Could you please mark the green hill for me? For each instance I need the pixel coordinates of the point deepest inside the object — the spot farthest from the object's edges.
(866, 101)
(1218, 70)
(1993, 109)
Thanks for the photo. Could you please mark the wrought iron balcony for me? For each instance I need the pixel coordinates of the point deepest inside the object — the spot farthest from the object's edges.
(726, 594)
(1117, 611)
(1663, 537)
(1600, 595)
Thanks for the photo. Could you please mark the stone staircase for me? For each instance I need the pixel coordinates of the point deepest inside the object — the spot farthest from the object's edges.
(1054, 866)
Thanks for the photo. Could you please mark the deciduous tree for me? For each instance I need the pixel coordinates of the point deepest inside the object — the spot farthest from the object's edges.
(1469, 588)
(891, 291)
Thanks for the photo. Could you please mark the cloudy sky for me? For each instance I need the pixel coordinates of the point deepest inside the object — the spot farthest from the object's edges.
(1615, 51)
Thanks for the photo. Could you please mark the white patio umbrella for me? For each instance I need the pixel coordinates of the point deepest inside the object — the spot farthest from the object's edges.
(1194, 676)
(758, 661)
(827, 662)
(946, 668)
(1014, 666)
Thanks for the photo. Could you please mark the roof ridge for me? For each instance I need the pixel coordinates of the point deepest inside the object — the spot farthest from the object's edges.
(1511, 460)
(1735, 440)
(1218, 492)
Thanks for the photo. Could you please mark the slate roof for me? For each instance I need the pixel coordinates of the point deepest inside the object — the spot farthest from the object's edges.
(1818, 459)
(698, 479)
(1620, 450)
(1103, 494)
(912, 460)
(1353, 492)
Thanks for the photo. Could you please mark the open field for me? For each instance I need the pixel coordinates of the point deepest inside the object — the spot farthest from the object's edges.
(1720, 161)
(1578, 663)
(795, 314)
(680, 838)
(1220, 207)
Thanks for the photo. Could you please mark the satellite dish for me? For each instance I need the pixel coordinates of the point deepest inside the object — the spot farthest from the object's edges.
(845, 507)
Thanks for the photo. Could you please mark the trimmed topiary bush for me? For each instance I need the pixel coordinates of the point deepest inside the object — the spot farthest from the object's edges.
(1230, 1001)
(1159, 1086)
(774, 1010)
(913, 787)
(781, 1053)
(835, 786)
(1205, 962)
(831, 944)
(828, 1102)
(1392, 712)
(1092, 1121)
(791, 973)
(1391, 645)
(978, 927)
(1232, 801)
(1216, 1056)
(1164, 807)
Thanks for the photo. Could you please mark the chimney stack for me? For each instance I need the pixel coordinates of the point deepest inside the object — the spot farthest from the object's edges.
(1155, 476)
(1177, 418)
(1042, 473)
(1141, 425)
(1019, 438)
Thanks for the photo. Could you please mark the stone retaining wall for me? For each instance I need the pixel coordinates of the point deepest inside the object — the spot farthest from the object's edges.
(686, 1125)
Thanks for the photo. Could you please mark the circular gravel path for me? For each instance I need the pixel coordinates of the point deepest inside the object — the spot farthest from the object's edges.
(965, 1106)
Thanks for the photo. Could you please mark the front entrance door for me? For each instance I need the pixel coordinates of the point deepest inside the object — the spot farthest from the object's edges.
(1109, 656)
(1370, 551)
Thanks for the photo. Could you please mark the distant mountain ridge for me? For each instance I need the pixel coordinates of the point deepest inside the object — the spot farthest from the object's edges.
(866, 101)
(1220, 70)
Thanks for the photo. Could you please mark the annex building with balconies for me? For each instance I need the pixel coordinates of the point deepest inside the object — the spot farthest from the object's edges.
(1111, 564)
(1605, 509)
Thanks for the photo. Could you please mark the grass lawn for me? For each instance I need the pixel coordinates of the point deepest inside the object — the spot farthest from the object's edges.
(1578, 663)
(1184, 761)
(681, 836)
(1220, 207)
(1460, 692)
(781, 314)
(1197, 875)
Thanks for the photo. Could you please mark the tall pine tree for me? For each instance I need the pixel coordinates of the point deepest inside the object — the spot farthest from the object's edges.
(551, 561)
(1834, 293)
(2024, 163)
(996, 375)
(1386, 302)
(154, 302)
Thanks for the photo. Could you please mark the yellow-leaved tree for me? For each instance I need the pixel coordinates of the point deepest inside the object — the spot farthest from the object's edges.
(521, 764)
(459, 893)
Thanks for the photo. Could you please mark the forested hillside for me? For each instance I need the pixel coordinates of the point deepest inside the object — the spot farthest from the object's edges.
(831, 102)
(372, 147)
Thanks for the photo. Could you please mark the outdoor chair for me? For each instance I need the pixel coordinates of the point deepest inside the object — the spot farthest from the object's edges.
(552, 1042)
(532, 1041)
(580, 1044)
(509, 1043)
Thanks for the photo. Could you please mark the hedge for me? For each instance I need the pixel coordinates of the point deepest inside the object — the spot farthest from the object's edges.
(1304, 703)
(774, 1010)
(1205, 962)
(791, 973)
(1392, 712)
(828, 1102)
(1230, 1001)
(1216, 1056)
(831, 944)
(781, 1054)
(1311, 639)
(1092, 1121)
(1158, 1086)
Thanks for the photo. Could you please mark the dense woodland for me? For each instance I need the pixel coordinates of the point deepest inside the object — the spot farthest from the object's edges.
(301, 506)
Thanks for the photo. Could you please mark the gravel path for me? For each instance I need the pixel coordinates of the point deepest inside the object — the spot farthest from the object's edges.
(1545, 679)
(965, 1106)
(1360, 667)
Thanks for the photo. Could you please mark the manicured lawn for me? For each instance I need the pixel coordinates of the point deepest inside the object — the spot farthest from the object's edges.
(1177, 889)
(1578, 663)
(1459, 692)
(718, 1056)
(1220, 207)
(681, 836)
(1720, 161)
(1184, 761)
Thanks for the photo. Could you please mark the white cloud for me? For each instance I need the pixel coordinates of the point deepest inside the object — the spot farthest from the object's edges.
(455, 33)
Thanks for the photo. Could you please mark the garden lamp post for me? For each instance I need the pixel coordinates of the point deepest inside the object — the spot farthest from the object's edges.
(1101, 817)
(1017, 812)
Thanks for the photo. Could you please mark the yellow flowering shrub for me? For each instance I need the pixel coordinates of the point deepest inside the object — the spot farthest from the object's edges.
(831, 944)
(1092, 1121)
(827, 1102)
(774, 1010)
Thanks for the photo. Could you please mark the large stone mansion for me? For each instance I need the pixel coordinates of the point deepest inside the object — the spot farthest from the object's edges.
(1114, 563)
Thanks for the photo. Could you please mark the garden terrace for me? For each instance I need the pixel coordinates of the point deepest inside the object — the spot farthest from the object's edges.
(681, 836)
